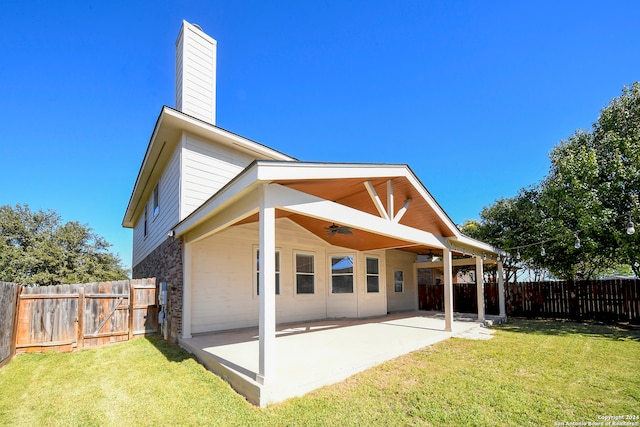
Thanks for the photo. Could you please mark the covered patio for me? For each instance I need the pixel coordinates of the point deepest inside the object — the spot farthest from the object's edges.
(271, 234)
(313, 354)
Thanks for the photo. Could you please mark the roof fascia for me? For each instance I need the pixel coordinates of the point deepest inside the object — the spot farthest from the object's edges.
(148, 162)
(272, 171)
(172, 120)
(472, 243)
(206, 130)
(432, 202)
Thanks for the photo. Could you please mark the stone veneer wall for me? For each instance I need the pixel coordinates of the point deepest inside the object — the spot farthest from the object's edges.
(165, 264)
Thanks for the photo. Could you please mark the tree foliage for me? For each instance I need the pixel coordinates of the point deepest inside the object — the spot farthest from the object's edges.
(590, 195)
(36, 248)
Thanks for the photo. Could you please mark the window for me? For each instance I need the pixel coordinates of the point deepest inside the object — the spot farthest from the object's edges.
(373, 275)
(398, 280)
(342, 274)
(258, 272)
(146, 229)
(156, 201)
(305, 273)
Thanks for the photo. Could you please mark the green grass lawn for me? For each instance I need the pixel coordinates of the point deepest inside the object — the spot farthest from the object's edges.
(531, 373)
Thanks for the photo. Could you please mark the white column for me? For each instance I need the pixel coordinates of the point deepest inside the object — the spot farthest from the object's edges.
(448, 290)
(416, 299)
(480, 288)
(503, 310)
(186, 291)
(267, 311)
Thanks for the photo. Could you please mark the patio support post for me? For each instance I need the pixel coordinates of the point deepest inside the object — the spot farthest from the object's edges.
(448, 290)
(267, 284)
(480, 288)
(503, 311)
(186, 291)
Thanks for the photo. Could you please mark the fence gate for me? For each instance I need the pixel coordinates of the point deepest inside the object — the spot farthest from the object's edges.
(65, 317)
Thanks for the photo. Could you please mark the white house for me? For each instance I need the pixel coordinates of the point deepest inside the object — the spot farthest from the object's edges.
(247, 236)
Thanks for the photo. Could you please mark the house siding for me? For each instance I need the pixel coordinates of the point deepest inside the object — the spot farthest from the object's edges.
(196, 74)
(408, 298)
(168, 214)
(207, 167)
(223, 286)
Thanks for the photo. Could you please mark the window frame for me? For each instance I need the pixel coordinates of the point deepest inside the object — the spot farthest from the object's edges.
(297, 273)
(155, 199)
(351, 274)
(368, 274)
(395, 281)
(145, 224)
(256, 270)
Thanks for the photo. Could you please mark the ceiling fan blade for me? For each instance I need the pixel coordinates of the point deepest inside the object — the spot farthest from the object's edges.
(331, 233)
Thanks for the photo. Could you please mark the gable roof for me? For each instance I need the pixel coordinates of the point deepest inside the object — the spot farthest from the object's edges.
(405, 215)
(167, 131)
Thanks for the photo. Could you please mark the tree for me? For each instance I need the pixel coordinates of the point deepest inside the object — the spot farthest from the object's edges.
(35, 248)
(581, 211)
(512, 224)
(592, 190)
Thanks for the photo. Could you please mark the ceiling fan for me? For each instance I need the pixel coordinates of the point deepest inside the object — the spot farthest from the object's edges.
(339, 229)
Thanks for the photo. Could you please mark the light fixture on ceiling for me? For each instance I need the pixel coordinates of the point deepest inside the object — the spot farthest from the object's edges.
(338, 229)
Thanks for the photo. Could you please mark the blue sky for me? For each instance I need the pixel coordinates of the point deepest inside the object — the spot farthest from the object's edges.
(472, 95)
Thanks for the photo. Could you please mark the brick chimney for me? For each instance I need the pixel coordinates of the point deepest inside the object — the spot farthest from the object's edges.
(196, 73)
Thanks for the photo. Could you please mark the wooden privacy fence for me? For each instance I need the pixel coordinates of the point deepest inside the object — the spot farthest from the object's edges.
(8, 306)
(431, 298)
(604, 300)
(66, 317)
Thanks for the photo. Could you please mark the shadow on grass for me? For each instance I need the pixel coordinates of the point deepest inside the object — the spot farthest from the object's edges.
(172, 352)
(567, 327)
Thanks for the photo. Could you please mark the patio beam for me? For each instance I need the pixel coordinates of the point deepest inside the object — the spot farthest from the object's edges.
(296, 201)
(459, 262)
(402, 211)
(267, 284)
(480, 288)
(390, 202)
(376, 200)
(448, 290)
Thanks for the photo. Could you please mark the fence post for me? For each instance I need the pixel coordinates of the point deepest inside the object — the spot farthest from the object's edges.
(14, 332)
(132, 294)
(81, 307)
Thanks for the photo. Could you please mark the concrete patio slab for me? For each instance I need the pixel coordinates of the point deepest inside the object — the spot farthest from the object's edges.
(314, 354)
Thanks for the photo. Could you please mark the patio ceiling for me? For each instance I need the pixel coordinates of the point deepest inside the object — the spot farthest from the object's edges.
(352, 192)
(316, 195)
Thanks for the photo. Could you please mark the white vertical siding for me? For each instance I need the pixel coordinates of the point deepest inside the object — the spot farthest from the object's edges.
(168, 214)
(224, 285)
(408, 299)
(207, 167)
(196, 73)
(179, 67)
